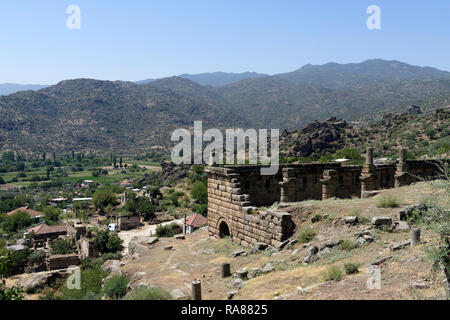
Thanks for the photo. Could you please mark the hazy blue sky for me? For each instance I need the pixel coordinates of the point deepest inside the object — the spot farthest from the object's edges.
(137, 39)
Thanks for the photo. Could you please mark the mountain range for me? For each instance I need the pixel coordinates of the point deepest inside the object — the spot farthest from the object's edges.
(118, 116)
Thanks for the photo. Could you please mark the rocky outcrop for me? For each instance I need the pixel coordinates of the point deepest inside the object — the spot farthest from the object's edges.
(317, 137)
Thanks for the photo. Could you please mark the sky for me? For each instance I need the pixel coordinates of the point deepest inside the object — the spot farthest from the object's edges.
(140, 39)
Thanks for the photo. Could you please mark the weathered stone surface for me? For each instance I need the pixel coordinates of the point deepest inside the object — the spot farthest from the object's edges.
(417, 285)
(259, 246)
(152, 240)
(401, 226)
(382, 221)
(400, 245)
(241, 274)
(254, 273)
(330, 244)
(237, 283)
(351, 220)
(381, 260)
(360, 241)
(178, 294)
(267, 268)
(135, 246)
(112, 266)
(238, 252)
(310, 254)
(39, 280)
(231, 294)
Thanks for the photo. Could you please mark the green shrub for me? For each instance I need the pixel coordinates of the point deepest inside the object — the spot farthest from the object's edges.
(146, 293)
(90, 287)
(347, 244)
(201, 208)
(17, 221)
(199, 192)
(62, 246)
(351, 267)
(116, 286)
(111, 256)
(387, 201)
(168, 230)
(333, 273)
(107, 241)
(37, 257)
(306, 235)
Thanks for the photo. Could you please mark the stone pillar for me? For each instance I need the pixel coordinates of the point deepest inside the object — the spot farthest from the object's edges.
(196, 290)
(415, 237)
(401, 174)
(225, 270)
(329, 184)
(369, 156)
(368, 177)
(287, 186)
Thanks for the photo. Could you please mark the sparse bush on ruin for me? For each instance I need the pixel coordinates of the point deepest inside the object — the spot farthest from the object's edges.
(347, 244)
(146, 293)
(351, 267)
(387, 201)
(306, 235)
(333, 273)
(116, 286)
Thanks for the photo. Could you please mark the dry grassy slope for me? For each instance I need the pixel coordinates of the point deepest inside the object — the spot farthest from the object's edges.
(199, 257)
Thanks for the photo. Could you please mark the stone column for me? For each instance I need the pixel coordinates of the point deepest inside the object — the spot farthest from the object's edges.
(225, 270)
(369, 156)
(287, 185)
(196, 290)
(329, 184)
(415, 237)
(368, 177)
(401, 174)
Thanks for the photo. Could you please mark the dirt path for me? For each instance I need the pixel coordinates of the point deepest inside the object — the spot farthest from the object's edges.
(145, 231)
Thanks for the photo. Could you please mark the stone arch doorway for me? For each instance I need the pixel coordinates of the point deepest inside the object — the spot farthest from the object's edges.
(224, 230)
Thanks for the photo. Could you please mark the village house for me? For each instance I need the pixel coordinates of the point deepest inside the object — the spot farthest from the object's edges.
(32, 213)
(44, 231)
(194, 222)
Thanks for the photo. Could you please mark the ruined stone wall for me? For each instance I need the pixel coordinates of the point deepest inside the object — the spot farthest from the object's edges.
(56, 262)
(229, 212)
(236, 192)
(129, 222)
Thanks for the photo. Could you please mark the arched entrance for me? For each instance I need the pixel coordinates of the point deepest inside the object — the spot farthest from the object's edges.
(224, 231)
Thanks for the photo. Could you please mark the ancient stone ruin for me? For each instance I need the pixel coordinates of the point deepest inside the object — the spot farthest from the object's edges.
(238, 194)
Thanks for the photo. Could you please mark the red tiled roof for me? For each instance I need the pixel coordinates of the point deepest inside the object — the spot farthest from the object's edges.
(30, 212)
(45, 229)
(196, 220)
(35, 229)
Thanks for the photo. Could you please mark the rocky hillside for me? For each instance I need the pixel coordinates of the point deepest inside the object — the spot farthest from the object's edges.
(124, 117)
(423, 134)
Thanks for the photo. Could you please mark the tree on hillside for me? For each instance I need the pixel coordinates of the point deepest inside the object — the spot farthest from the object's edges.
(18, 221)
(52, 215)
(199, 192)
(104, 197)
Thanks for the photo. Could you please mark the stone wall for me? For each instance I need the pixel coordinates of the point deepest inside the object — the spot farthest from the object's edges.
(56, 262)
(87, 248)
(129, 222)
(236, 192)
